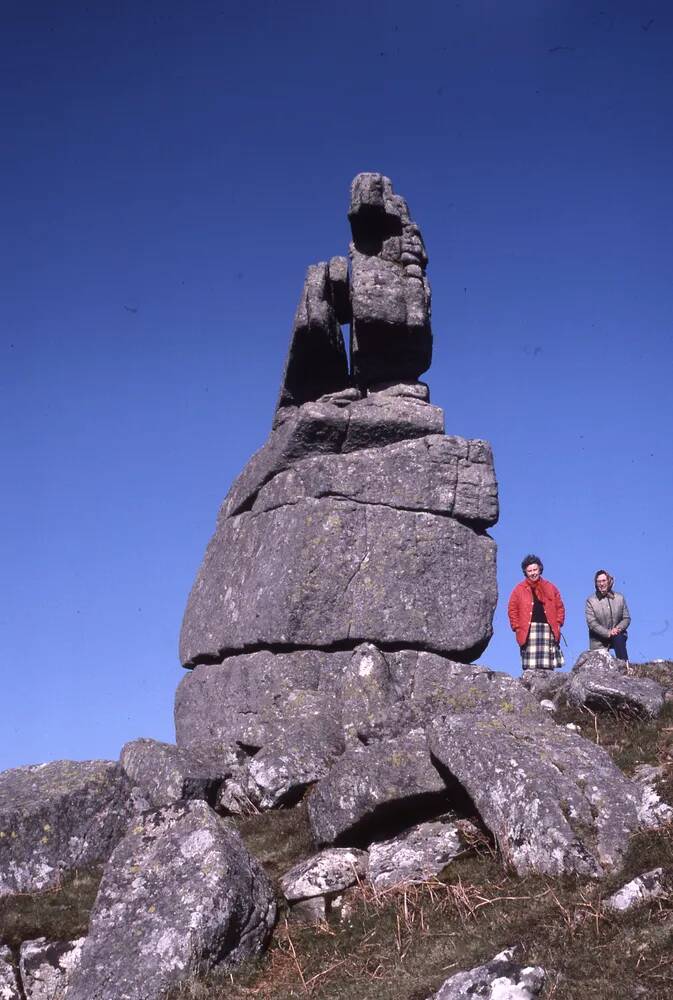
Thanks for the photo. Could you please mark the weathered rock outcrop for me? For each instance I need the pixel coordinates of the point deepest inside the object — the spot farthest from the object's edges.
(59, 817)
(352, 543)
(179, 894)
(329, 634)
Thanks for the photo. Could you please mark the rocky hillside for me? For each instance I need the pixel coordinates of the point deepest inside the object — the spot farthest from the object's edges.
(352, 808)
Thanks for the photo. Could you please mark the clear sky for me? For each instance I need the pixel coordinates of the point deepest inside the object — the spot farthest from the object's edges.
(169, 171)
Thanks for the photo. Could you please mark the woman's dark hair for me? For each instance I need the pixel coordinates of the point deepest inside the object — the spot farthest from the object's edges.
(602, 572)
(529, 560)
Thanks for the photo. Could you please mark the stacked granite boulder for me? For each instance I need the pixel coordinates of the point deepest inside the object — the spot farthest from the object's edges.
(355, 538)
(349, 584)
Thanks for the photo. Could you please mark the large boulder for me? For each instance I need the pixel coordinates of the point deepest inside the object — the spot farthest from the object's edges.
(180, 894)
(57, 818)
(374, 789)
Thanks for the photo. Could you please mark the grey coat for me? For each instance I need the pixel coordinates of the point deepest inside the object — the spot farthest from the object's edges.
(603, 614)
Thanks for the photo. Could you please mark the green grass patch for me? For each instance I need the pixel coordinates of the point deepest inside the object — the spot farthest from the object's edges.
(59, 914)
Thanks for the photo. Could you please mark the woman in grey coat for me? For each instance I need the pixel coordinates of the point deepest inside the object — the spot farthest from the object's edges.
(607, 616)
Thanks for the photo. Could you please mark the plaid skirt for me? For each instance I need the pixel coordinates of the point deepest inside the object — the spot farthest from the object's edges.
(541, 651)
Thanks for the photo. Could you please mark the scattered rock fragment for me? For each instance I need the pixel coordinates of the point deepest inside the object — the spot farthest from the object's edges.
(643, 889)
(417, 855)
(166, 773)
(503, 978)
(330, 871)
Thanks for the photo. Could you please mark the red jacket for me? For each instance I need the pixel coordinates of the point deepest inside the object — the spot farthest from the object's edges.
(520, 608)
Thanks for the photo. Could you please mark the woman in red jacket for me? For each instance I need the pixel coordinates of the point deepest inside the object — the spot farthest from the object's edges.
(536, 614)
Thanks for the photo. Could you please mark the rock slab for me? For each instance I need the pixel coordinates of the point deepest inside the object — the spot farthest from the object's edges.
(555, 802)
(377, 786)
(341, 572)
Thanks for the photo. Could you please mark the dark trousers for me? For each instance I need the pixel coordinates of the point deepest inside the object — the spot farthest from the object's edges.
(618, 643)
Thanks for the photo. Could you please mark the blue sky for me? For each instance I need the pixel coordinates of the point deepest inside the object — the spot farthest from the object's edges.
(169, 171)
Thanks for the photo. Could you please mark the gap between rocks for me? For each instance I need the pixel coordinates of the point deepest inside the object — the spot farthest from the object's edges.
(466, 656)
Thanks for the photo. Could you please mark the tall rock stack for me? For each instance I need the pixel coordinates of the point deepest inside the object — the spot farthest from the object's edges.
(358, 522)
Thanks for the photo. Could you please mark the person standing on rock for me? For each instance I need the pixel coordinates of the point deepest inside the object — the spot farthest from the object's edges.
(536, 614)
(607, 616)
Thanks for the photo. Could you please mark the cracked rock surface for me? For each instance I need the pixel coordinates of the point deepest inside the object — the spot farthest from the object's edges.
(646, 887)
(180, 893)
